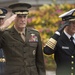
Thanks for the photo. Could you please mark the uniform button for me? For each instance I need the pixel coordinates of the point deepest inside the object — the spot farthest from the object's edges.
(72, 74)
(72, 62)
(72, 56)
(72, 68)
(24, 52)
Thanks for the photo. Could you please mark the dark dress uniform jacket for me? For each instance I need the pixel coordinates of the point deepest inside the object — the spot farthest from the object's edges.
(2, 64)
(22, 58)
(64, 55)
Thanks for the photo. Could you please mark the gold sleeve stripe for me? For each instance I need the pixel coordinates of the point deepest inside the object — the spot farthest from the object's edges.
(51, 43)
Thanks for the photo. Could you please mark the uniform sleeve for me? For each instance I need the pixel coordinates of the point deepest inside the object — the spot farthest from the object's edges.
(47, 50)
(50, 46)
(40, 59)
(1, 33)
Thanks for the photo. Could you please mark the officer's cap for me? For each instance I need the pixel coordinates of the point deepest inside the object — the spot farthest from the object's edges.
(20, 8)
(70, 15)
(3, 12)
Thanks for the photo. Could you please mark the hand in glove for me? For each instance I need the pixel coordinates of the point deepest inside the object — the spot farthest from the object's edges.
(61, 28)
(53, 40)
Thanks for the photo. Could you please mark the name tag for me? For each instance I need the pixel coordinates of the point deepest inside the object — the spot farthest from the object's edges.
(64, 47)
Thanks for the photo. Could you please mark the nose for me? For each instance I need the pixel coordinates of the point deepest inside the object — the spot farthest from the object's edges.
(23, 19)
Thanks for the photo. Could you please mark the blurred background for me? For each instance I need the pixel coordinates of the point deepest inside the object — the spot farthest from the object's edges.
(44, 16)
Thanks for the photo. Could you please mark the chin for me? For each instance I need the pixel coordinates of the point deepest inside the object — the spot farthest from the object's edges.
(22, 26)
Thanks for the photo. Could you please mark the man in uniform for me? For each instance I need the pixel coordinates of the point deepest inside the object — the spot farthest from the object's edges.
(3, 12)
(62, 44)
(22, 46)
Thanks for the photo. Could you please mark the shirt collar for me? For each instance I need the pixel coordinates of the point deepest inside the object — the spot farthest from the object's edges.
(69, 36)
(23, 32)
(74, 36)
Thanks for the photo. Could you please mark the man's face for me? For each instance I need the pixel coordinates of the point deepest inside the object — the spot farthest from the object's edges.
(71, 27)
(1, 21)
(21, 21)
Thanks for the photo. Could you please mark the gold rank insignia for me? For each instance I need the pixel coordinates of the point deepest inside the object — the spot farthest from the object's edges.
(51, 43)
(73, 14)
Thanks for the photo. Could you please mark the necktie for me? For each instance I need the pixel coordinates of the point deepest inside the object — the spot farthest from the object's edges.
(72, 40)
(23, 36)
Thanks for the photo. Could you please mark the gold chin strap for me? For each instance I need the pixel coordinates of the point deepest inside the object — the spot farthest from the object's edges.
(51, 43)
(72, 19)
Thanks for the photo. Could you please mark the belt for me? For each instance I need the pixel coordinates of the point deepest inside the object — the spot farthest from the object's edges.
(2, 60)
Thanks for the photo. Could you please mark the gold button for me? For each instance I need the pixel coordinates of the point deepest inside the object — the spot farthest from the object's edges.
(72, 62)
(72, 56)
(72, 74)
(72, 68)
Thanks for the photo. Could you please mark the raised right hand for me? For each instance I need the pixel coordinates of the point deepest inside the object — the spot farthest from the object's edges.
(7, 22)
(61, 28)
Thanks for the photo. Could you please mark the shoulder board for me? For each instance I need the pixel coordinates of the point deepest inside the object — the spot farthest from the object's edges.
(32, 29)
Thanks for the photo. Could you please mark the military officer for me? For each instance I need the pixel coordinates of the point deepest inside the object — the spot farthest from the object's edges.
(3, 12)
(62, 44)
(22, 46)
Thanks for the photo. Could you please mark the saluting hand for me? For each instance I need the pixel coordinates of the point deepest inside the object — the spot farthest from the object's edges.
(61, 28)
(7, 22)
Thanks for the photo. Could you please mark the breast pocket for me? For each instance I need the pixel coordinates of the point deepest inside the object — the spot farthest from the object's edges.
(13, 44)
(14, 48)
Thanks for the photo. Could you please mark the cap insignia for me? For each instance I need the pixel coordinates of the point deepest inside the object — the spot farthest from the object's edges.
(74, 14)
(1, 12)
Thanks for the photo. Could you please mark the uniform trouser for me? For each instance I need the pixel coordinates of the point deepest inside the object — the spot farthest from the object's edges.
(2, 67)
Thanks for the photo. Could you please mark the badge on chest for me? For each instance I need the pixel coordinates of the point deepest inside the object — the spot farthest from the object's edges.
(33, 38)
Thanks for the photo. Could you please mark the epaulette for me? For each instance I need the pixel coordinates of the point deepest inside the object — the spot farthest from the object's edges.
(32, 29)
(35, 29)
(6, 29)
